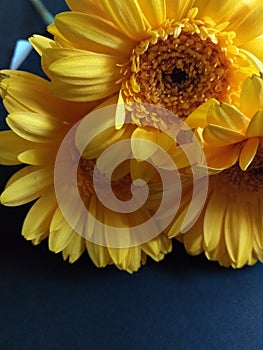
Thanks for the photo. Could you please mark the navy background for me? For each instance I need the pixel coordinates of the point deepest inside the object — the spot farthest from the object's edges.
(182, 302)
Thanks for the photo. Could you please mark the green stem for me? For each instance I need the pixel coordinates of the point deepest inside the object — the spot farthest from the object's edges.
(42, 11)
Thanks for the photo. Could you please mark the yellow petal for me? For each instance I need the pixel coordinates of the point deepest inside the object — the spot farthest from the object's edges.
(198, 118)
(256, 219)
(248, 152)
(60, 238)
(28, 188)
(35, 127)
(237, 233)
(86, 6)
(193, 238)
(218, 10)
(154, 11)
(85, 69)
(251, 98)
(11, 146)
(85, 93)
(98, 254)
(74, 249)
(88, 32)
(143, 143)
(228, 117)
(178, 9)
(141, 170)
(21, 173)
(38, 156)
(250, 16)
(220, 254)
(119, 256)
(215, 213)
(221, 157)
(127, 16)
(255, 127)
(256, 63)
(135, 259)
(41, 43)
(97, 133)
(254, 46)
(43, 210)
(26, 92)
(219, 136)
(157, 247)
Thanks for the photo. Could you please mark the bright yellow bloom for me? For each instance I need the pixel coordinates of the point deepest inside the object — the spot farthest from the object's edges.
(230, 227)
(39, 122)
(175, 54)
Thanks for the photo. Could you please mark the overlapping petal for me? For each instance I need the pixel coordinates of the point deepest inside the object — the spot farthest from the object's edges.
(127, 17)
(92, 33)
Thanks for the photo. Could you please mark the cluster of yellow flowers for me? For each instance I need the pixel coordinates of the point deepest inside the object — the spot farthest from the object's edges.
(189, 68)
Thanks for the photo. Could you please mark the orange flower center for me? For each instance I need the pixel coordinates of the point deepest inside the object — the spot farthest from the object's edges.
(182, 65)
(121, 188)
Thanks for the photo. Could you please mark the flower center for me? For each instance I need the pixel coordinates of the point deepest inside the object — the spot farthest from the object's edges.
(182, 65)
(121, 188)
(176, 77)
(250, 180)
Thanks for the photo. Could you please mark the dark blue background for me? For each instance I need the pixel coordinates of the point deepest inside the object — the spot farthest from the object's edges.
(182, 302)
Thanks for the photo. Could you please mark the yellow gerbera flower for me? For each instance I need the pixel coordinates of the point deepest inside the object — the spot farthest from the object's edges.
(39, 122)
(174, 54)
(230, 227)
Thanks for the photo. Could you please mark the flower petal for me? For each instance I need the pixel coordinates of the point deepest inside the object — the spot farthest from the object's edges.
(157, 247)
(215, 213)
(228, 117)
(218, 10)
(237, 233)
(38, 156)
(43, 210)
(28, 188)
(86, 6)
(221, 157)
(248, 16)
(74, 249)
(61, 236)
(11, 146)
(86, 69)
(178, 9)
(198, 118)
(26, 92)
(41, 43)
(92, 33)
(256, 219)
(251, 98)
(135, 259)
(154, 11)
(35, 127)
(255, 127)
(127, 16)
(248, 152)
(83, 93)
(254, 46)
(219, 136)
(143, 143)
(98, 254)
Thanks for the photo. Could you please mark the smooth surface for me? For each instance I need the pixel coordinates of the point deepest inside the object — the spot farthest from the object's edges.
(182, 302)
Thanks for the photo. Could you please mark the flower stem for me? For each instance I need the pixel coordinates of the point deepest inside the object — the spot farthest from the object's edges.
(42, 11)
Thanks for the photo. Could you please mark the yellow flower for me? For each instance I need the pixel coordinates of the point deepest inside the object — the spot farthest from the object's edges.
(39, 123)
(174, 54)
(230, 226)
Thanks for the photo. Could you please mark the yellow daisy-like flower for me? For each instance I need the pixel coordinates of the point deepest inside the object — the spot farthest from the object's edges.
(39, 122)
(230, 227)
(174, 54)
